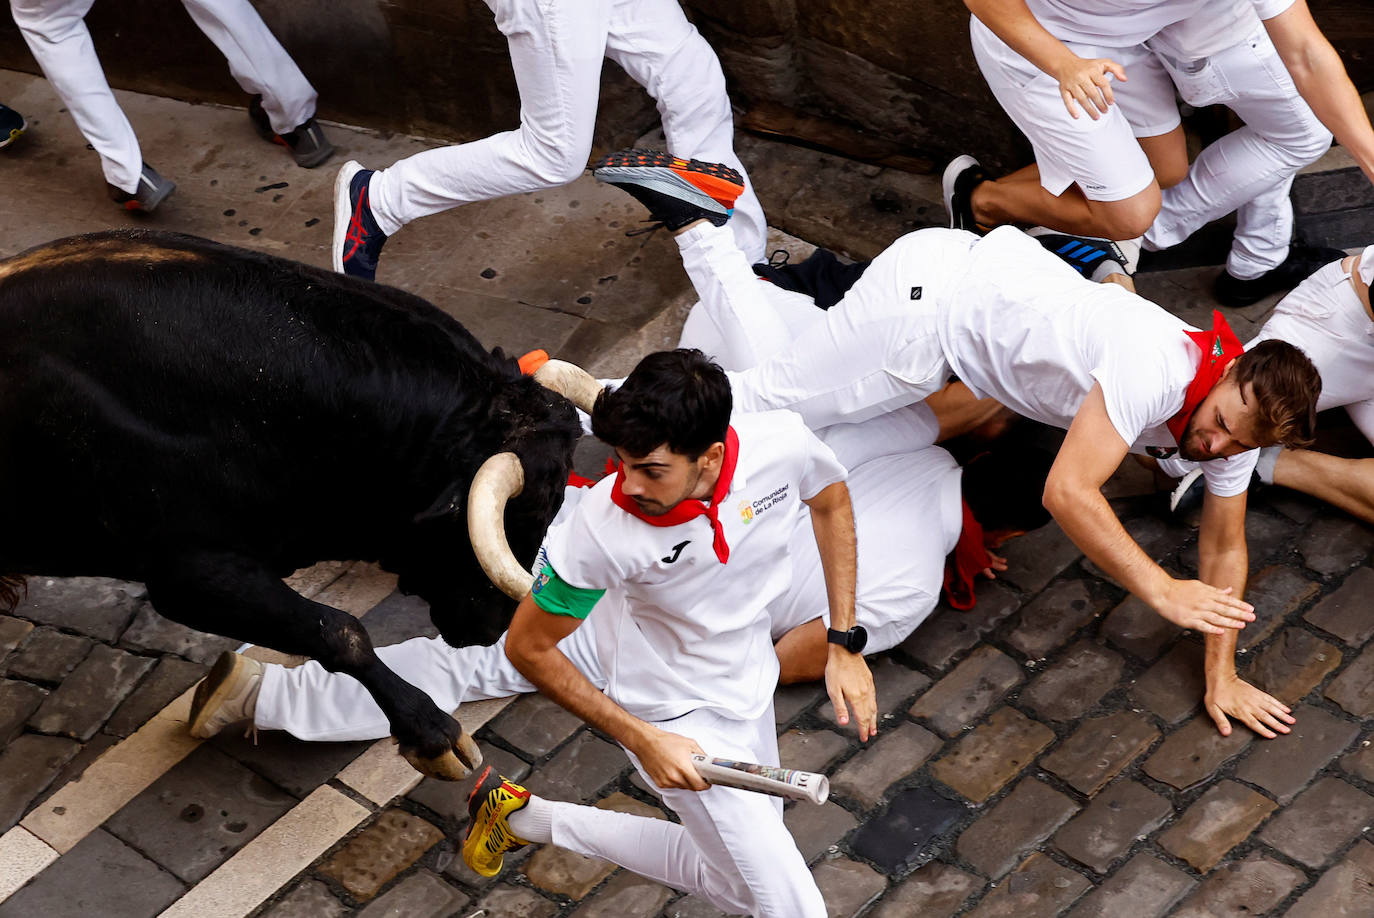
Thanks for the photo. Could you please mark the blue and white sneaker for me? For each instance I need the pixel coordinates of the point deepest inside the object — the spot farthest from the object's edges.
(1091, 256)
(357, 240)
(12, 124)
(676, 191)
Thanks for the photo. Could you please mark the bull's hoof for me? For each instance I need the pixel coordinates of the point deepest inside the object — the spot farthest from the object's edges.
(453, 765)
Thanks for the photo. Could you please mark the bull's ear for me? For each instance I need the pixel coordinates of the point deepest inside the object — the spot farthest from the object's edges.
(448, 505)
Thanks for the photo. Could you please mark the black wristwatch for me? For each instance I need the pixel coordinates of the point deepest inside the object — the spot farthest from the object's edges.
(852, 640)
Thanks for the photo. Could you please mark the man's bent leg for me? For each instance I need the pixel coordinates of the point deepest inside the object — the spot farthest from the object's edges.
(732, 847)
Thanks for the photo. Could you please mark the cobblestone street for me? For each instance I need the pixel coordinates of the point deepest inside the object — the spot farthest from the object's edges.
(1044, 754)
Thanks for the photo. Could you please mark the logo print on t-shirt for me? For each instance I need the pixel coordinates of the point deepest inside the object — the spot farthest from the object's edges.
(1161, 452)
(915, 293)
(746, 511)
(677, 550)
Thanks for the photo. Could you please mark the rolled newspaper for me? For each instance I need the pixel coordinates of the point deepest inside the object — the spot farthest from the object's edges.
(780, 782)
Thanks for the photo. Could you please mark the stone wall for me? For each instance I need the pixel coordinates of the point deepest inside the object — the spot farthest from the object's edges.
(895, 73)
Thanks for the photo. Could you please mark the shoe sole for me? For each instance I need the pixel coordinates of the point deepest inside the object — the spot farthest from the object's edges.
(343, 210)
(151, 204)
(952, 172)
(211, 691)
(686, 179)
(15, 134)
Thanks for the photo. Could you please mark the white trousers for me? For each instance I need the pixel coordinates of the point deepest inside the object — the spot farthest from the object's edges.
(1249, 171)
(556, 50)
(56, 33)
(874, 352)
(311, 703)
(731, 849)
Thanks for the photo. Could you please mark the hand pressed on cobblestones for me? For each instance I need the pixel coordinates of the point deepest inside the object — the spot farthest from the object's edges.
(1258, 710)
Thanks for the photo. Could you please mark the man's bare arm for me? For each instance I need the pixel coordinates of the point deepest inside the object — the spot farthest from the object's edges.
(1322, 80)
(1224, 561)
(1082, 82)
(532, 645)
(1073, 495)
(847, 676)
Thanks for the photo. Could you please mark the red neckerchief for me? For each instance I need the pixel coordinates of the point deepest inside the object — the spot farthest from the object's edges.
(690, 508)
(1219, 347)
(967, 561)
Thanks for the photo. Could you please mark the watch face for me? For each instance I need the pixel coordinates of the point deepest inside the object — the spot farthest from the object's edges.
(856, 639)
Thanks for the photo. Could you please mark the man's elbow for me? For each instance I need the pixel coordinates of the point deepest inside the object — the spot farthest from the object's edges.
(1059, 495)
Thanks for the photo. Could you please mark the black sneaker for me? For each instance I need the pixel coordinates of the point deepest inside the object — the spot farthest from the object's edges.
(307, 144)
(1302, 262)
(12, 124)
(152, 190)
(676, 191)
(1093, 257)
(962, 175)
(357, 239)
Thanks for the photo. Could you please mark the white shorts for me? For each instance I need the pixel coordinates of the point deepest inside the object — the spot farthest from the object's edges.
(1102, 157)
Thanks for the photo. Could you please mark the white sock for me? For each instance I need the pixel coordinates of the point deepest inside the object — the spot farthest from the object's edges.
(1265, 466)
(534, 821)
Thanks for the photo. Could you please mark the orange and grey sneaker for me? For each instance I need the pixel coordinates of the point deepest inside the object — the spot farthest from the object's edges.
(676, 191)
(489, 834)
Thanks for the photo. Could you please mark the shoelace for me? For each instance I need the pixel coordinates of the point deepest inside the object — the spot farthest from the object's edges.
(779, 258)
(645, 230)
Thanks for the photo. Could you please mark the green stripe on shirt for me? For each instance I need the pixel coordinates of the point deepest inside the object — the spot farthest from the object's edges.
(555, 595)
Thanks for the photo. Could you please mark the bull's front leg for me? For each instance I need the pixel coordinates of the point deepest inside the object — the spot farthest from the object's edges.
(236, 596)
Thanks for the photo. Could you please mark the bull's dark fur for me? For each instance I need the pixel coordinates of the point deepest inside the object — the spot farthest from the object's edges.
(208, 419)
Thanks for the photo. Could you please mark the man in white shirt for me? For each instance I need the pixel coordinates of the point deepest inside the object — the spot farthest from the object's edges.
(1015, 323)
(680, 557)
(1092, 87)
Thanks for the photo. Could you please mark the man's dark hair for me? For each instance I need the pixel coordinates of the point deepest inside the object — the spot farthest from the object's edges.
(1285, 386)
(1005, 487)
(681, 398)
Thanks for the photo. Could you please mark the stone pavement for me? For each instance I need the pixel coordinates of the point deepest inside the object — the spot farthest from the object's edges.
(1043, 754)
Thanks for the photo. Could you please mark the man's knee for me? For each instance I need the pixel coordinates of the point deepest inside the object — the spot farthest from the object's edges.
(552, 162)
(1129, 218)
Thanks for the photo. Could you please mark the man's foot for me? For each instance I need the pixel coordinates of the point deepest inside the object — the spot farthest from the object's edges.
(489, 834)
(227, 694)
(1302, 262)
(307, 143)
(962, 175)
(12, 124)
(676, 191)
(358, 240)
(1093, 257)
(152, 190)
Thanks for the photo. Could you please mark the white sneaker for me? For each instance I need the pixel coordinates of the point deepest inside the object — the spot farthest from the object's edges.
(227, 694)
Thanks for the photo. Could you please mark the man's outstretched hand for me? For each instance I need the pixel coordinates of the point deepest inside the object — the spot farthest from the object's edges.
(1232, 696)
(1202, 607)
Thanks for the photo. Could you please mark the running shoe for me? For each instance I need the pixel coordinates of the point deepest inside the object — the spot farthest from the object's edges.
(152, 190)
(358, 240)
(227, 694)
(1093, 257)
(1302, 262)
(12, 124)
(962, 175)
(676, 191)
(306, 142)
(489, 834)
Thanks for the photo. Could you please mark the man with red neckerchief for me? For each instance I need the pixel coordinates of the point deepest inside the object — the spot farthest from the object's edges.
(1016, 324)
(679, 557)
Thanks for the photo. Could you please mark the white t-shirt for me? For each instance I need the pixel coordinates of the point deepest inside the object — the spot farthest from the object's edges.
(1038, 337)
(677, 630)
(1121, 23)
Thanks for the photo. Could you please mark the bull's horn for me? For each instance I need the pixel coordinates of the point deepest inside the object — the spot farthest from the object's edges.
(498, 480)
(570, 381)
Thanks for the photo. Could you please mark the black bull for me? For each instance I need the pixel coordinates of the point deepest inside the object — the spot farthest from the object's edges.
(207, 420)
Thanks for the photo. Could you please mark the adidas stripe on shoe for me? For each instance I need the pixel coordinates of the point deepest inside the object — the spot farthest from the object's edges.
(1093, 257)
(676, 191)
